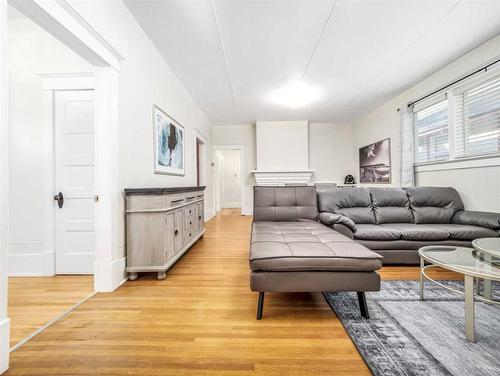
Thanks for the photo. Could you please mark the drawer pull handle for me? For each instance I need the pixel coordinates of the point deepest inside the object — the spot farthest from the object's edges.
(189, 211)
(179, 200)
(190, 198)
(199, 217)
(190, 222)
(189, 234)
(176, 232)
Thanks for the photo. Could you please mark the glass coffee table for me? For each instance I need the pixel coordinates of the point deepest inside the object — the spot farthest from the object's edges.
(490, 249)
(472, 264)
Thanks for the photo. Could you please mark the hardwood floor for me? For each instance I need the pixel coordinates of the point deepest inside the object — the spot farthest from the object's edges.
(34, 301)
(200, 320)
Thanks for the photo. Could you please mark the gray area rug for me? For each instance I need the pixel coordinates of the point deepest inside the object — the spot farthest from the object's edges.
(405, 336)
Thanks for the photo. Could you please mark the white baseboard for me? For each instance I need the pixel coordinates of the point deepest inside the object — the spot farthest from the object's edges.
(118, 272)
(231, 205)
(248, 210)
(4, 345)
(30, 259)
(209, 215)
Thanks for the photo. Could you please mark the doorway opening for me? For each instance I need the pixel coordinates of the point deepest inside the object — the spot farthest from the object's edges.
(54, 173)
(229, 177)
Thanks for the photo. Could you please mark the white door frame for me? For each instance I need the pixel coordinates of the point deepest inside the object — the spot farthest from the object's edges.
(241, 148)
(64, 23)
(203, 168)
(51, 83)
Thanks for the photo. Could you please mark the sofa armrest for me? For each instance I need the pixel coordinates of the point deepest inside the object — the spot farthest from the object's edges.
(330, 219)
(478, 218)
(344, 230)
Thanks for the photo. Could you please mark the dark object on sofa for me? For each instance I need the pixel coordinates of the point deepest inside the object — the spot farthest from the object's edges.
(290, 251)
(396, 222)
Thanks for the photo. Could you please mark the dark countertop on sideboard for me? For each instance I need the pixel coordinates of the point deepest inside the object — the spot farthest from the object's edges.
(161, 191)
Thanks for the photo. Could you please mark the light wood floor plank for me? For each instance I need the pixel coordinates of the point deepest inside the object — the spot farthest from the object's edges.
(200, 320)
(34, 301)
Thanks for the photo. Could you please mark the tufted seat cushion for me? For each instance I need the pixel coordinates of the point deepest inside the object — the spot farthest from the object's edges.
(465, 232)
(307, 246)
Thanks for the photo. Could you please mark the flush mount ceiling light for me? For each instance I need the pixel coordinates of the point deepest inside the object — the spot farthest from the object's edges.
(294, 95)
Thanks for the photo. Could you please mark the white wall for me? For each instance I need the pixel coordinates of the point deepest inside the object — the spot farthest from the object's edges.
(330, 152)
(31, 51)
(240, 135)
(478, 186)
(145, 80)
(4, 191)
(282, 145)
(230, 178)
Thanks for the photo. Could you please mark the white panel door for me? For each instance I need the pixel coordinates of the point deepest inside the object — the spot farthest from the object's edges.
(74, 179)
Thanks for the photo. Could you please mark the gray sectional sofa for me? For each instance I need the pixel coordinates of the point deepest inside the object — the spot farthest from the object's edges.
(396, 222)
(290, 251)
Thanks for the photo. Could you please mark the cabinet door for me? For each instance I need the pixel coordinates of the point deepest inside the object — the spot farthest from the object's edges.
(201, 216)
(179, 230)
(169, 236)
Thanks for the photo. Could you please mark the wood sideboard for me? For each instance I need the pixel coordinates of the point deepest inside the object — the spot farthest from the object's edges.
(162, 224)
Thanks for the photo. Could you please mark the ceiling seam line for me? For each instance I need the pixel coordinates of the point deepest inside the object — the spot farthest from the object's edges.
(319, 39)
(225, 60)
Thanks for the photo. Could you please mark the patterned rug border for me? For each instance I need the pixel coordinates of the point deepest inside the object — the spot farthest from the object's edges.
(350, 327)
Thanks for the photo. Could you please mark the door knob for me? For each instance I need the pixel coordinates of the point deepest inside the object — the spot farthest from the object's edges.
(60, 199)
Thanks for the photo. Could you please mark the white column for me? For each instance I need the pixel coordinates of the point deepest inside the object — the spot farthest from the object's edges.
(4, 190)
(110, 265)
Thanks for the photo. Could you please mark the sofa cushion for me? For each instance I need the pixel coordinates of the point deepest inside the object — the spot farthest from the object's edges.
(434, 204)
(410, 231)
(466, 232)
(285, 203)
(391, 205)
(376, 232)
(309, 249)
(353, 203)
(478, 218)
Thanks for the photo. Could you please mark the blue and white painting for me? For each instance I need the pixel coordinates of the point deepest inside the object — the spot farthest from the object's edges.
(169, 144)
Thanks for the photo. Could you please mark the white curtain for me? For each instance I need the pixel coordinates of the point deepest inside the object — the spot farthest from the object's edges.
(407, 171)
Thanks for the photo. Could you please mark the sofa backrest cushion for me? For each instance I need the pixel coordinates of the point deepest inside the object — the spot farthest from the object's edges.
(434, 204)
(284, 203)
(391, 205)
(352, 202)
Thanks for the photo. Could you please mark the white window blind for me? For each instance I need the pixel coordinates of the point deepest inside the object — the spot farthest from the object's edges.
(477, 120)
(431, 133)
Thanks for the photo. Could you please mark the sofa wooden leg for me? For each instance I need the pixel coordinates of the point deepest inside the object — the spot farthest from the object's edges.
(363, 307)
(260, 305)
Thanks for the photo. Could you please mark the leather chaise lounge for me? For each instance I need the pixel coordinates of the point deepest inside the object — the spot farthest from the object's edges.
(291, 251)
(396, 222)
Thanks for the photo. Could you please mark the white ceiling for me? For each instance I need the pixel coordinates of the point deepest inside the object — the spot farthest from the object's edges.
(231, 54)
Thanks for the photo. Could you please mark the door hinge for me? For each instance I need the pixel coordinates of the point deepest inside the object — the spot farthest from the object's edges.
(96, 198)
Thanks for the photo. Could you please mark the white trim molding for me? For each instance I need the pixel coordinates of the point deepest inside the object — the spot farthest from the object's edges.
(284, 177)
(458, 164)
(4, 344)
(4, 188)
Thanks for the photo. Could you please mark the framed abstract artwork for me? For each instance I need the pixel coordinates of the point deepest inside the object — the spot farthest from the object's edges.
(375, 162)
(169, 144)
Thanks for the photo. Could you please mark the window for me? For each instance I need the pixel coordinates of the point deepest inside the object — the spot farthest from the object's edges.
(431, 133)
(478, 120)
(460, 123)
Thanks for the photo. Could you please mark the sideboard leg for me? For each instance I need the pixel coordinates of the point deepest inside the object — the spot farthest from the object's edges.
(161, 275)
(133, 276)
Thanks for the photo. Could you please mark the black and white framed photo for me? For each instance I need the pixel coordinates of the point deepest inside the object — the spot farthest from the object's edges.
(169, 148)
(375, 162)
